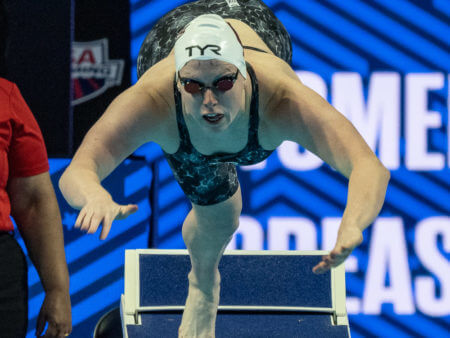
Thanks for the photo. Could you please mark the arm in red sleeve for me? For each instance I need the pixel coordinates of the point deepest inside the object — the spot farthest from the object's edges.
(27, 153)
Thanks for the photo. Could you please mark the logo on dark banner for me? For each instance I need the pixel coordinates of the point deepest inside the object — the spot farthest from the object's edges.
(92, 70)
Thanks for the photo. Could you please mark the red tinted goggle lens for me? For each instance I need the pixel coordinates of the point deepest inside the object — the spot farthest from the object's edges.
(194, 87)
(225, 84)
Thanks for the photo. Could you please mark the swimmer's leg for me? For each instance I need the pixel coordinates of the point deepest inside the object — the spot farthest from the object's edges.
(206, 232)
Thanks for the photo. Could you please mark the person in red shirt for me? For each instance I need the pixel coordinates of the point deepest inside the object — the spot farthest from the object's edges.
(27, 194)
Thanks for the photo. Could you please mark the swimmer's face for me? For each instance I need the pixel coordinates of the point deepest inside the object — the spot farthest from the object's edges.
(212, 107)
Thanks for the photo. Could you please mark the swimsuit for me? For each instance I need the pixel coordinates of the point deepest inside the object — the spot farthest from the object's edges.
(210, 179)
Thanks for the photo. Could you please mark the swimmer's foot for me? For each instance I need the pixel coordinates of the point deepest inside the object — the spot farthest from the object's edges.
(199, 316)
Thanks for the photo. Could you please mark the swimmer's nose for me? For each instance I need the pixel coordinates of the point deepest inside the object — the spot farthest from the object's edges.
(209, 99)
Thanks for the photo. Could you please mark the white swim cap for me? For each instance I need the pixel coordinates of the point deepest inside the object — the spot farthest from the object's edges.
(209, 37)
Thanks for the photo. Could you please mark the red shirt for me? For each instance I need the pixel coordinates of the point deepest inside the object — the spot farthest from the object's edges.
(22, 148)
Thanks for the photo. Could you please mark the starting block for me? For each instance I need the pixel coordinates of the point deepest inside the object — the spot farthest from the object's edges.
(263, 294)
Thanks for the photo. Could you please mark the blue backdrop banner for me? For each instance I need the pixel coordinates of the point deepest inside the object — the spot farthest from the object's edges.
(385, 65)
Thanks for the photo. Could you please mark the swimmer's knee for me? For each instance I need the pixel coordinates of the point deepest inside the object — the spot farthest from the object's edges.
(222, 214)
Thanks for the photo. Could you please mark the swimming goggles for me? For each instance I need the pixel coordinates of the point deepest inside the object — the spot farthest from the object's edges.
(222, 84)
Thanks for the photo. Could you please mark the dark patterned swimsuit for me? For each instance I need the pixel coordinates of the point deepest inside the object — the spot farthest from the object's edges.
(212, 179)
(209, 179)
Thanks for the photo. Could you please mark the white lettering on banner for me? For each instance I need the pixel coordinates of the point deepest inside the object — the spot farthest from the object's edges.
(418, 120)
(379, 121)
(382, 123)
(330, 227)
(280, 229)
(388, 256)
(426, 247)
(378, 118)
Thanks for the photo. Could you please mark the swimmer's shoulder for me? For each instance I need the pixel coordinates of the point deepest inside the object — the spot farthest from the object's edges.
(274, 77)
(157, 82)
(160, 77)
(276, 84)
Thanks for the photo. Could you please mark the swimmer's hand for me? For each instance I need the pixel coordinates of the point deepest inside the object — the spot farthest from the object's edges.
(349, 237)
(102, 211)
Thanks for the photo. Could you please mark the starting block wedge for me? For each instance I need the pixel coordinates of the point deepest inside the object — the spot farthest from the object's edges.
(263, 294)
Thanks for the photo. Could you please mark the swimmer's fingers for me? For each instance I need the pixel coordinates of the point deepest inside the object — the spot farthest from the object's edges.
(107, 223)
(349, 237)
(96, 220)
(333, 259)
(88, 219)
(320, 268)
(80, 218)
(126, 210)
(102, 213)
(122, 212)
(84, 219)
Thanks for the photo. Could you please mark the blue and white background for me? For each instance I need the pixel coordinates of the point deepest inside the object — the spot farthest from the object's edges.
(385, 65)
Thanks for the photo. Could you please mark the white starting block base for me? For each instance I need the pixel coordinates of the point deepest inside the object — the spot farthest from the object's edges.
(263, 294)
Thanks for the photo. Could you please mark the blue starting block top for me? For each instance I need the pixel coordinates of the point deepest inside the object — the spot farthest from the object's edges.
(263, 294)
(244, 325)
(247, 280)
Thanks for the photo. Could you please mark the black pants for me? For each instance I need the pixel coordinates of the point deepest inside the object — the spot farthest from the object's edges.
(13, 288)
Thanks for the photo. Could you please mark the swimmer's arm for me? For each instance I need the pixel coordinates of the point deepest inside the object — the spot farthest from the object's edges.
(127, 123)
(306, 118)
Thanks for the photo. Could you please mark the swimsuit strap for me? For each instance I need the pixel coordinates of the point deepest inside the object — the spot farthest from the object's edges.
(252, 140)
(255, 48)
(185, 140)
(254, 111)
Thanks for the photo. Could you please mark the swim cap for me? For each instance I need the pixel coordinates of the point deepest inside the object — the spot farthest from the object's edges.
(209, 37)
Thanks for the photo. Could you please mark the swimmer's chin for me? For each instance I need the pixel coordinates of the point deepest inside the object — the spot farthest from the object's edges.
(219, 125)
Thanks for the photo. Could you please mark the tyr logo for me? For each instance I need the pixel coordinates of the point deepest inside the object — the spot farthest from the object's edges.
(214, 48)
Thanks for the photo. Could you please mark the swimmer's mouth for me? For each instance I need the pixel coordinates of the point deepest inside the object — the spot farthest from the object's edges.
(213, 118)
